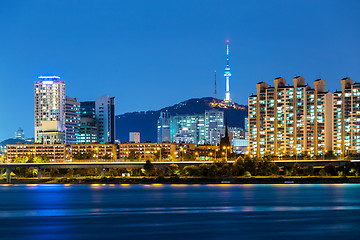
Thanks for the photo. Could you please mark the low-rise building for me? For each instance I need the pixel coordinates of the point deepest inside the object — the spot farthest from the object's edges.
(55, 152)
(95, 151)
(147, 150)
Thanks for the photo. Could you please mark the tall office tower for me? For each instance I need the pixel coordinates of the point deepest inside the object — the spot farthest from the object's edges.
(19, 134)
(134, 137)
(105, 119)
(191, 125)
(214, 126)
(72, 120)
(290, 119)
(227, 74)
(163, 128)
(246, 128)
(87, 109)
(346, 132)
(49, 96)
(88, 129)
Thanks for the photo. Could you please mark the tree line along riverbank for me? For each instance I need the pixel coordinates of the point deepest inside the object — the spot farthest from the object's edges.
(244, 170)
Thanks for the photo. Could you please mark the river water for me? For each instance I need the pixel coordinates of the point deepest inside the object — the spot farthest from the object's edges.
(180, 211)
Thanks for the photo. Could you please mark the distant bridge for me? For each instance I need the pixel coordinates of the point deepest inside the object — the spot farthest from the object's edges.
(163, 165)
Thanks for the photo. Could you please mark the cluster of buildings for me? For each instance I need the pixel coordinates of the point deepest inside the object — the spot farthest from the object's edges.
(300, 119)
(66, 129)
(108, 151)
(200, 129)
(203, 129)
(60, 119)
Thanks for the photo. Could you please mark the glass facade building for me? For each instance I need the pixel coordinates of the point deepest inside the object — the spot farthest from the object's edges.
(72, 120)
(163, 128)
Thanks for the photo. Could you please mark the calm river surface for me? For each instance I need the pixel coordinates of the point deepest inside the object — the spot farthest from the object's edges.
(180, 211)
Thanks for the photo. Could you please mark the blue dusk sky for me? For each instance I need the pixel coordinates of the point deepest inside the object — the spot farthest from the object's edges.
(152, 54)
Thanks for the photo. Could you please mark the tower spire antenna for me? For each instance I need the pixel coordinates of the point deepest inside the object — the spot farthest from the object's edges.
(215, 95)
(227, 74)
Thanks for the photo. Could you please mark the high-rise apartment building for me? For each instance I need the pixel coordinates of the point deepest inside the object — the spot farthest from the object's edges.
(105, 118)
(72, 120)
(49, 101)
(290, 120)
(346, 126)
(163, 128)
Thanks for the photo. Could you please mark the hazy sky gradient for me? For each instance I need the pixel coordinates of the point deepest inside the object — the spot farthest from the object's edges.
(152, 54)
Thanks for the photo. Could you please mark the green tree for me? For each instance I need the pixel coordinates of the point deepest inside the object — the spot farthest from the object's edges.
(41, 159)
(172, 170)
(70, 172)
(34, 172)
(296, 169)
(225, 170)
(149, 168)
(54, 172)
(247, 174)
(132, 155)
(213, 170)
(204, 170)
(21, 159)
(275, 169)
(309, 170)
(220, 162)
(238, 167)
(264, 168)
(330, 170)
(191, 171)
(2, 159)
(250, 165)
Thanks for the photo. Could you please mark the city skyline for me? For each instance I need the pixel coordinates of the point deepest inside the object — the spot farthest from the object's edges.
(110, 55)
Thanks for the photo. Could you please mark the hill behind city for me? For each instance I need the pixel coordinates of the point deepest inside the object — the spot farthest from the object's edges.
(145, 122)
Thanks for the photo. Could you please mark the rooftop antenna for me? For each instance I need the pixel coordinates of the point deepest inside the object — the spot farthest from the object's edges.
(215, 85)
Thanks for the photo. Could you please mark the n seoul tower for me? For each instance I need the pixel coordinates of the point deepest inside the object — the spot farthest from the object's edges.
(227, 74)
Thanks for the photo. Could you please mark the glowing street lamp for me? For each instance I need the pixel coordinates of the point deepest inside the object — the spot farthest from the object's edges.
(295, 152)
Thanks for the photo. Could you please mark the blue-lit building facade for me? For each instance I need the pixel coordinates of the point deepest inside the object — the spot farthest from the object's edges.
(97, 120)
(206, 128)
(163, 128)
(105, 119)
(72, 120)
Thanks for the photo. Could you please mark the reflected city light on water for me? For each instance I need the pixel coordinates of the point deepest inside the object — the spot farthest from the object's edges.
(179, 185)
(148, 211)
(157, 184)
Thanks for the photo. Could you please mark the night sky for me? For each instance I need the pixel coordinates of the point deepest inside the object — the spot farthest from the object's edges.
(152, 54)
